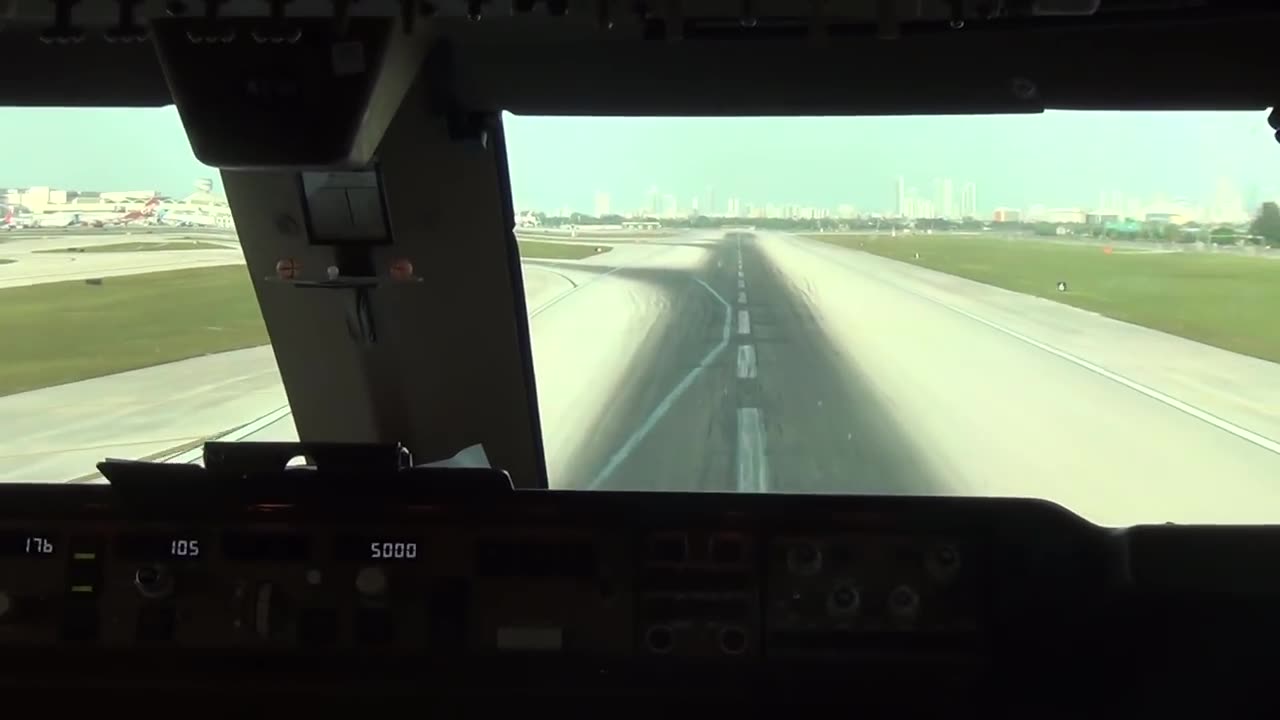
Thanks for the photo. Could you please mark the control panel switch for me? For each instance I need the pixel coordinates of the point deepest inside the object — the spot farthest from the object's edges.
(153, 581)
(371, 582)
(904, 603)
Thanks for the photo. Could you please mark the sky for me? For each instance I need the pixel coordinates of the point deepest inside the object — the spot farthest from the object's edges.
(99, 149)
(1061, 159)
(1057, 158)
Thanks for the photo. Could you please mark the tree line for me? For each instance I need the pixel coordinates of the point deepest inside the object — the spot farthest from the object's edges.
(1265, 227)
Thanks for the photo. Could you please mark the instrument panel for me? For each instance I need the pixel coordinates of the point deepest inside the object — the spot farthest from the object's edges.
(898, 602)
(531, 578)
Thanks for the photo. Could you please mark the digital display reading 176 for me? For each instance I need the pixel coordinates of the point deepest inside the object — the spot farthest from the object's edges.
(35, 544)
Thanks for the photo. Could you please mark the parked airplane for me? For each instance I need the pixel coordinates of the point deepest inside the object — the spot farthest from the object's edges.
(96, 219)
(13, 222)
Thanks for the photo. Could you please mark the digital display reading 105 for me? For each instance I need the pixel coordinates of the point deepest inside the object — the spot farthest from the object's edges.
(146, 547)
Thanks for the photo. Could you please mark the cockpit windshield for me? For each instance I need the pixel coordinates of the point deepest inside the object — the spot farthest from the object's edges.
(1076, 306)
(130, 325)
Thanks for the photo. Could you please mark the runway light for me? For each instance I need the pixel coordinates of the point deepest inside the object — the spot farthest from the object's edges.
(288, 269)
(402, 269)
(1062, 286)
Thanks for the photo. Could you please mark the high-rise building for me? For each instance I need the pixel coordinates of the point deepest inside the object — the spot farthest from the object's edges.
(900, 197)
(602, 203)
(653, 207)
(669, 206)
(969, 200)
(945, 204)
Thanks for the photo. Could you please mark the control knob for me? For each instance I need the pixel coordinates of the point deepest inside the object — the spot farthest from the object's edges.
(943, 563)
(371, 582)
(804, 558)
(843, 599)
(153, 582)
(904, 603)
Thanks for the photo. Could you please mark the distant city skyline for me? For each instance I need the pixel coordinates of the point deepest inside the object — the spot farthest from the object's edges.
(1057, 159)
(1226, 205)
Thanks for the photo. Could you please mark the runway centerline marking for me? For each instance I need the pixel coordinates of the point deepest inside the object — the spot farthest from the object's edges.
(746, 362)
(752, 471)
(742, 297)
(664, 407)
(744, 322)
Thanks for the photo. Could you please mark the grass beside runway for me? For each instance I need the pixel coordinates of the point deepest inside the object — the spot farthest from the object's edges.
(558, 251)
(62, 332)
(167, 245)
(1225, 300)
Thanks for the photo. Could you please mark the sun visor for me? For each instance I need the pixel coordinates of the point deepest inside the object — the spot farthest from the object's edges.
(309, 94)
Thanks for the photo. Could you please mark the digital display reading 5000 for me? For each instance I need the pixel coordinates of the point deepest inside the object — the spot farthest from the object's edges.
(393, 550)
(362, 548)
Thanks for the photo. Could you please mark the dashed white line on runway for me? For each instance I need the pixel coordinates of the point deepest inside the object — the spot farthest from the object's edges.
(746, 362)
(752, 471)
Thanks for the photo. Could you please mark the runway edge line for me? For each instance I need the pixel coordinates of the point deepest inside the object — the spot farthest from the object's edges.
(619, 457)
(1226, 426)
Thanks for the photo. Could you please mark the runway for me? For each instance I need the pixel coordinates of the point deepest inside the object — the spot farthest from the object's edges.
(766, 362)
(818, 369)
(59, 433)
(34, 264)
